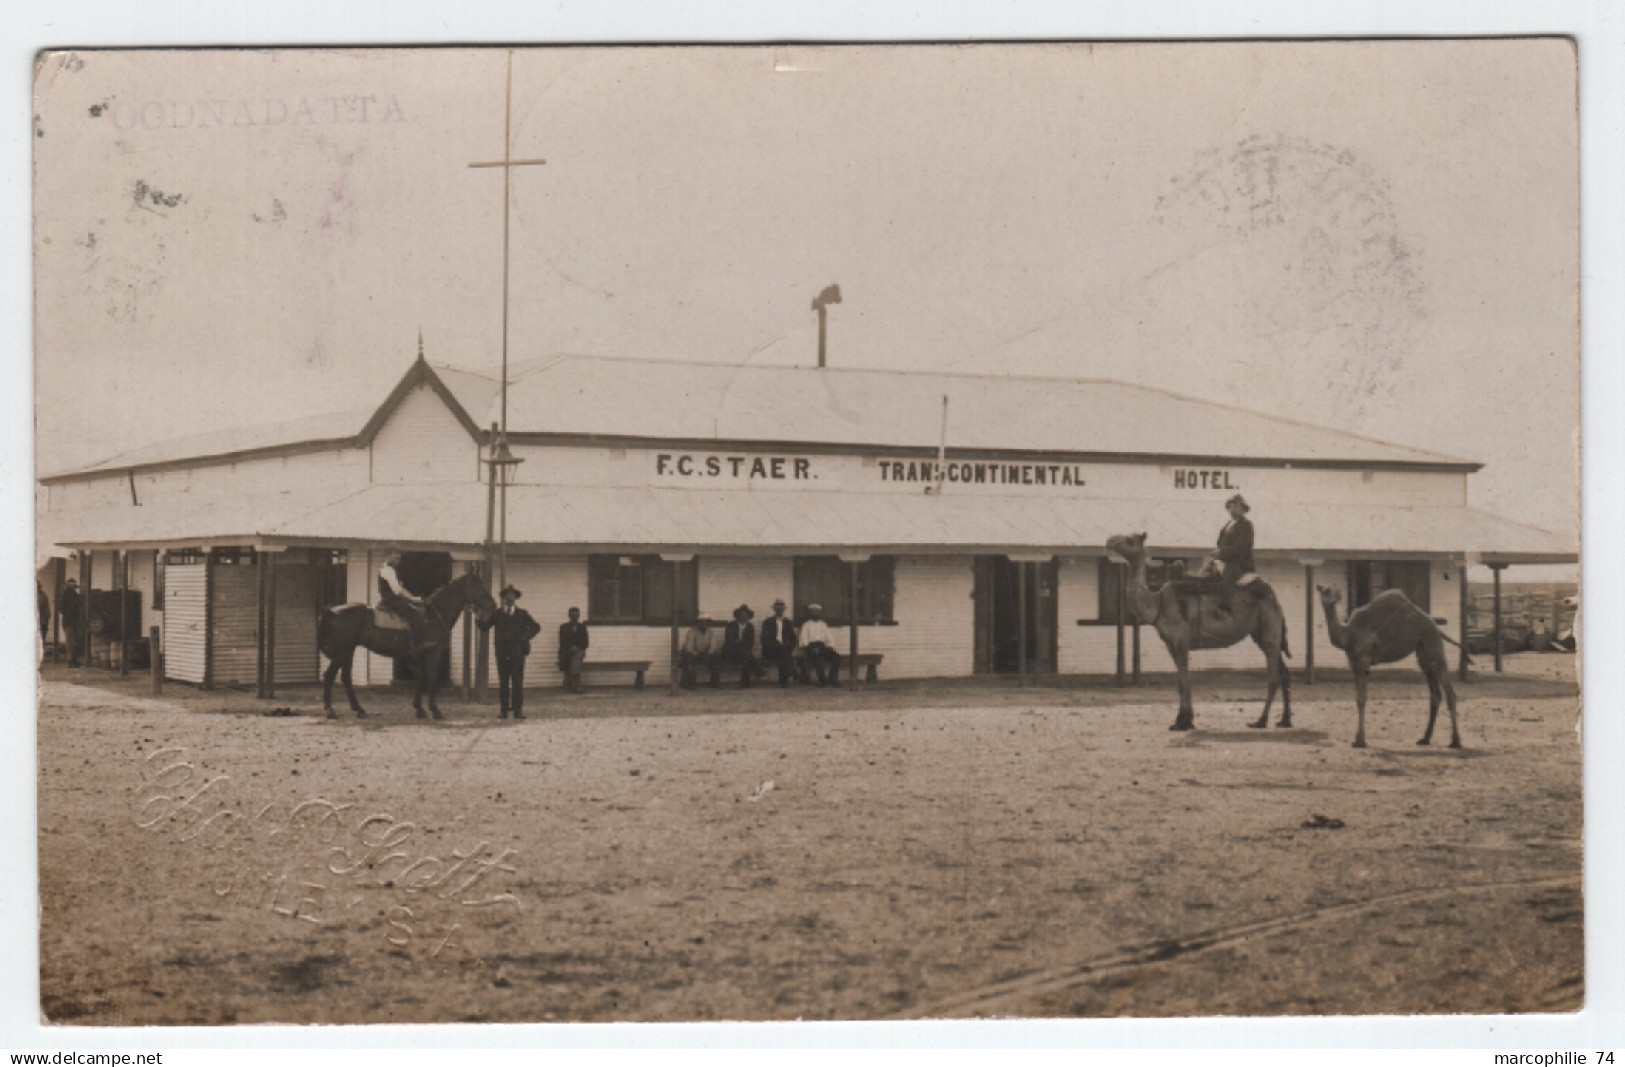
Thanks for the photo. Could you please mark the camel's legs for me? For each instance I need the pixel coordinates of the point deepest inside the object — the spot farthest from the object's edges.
(1285, 674)
(1186, 719)
(1435, 695)
(1450, 698)
(1359, 700)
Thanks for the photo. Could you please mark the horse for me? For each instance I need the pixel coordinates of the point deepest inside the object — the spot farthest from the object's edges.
(346, 626)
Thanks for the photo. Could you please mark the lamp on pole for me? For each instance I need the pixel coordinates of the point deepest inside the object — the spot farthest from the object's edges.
(502, 462)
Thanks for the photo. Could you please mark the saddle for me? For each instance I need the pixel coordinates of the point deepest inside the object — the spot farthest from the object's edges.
(388, 620)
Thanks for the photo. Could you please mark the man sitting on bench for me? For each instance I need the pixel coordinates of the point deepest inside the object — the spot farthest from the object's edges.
(819, 647)
(702, 647)
(573, 641)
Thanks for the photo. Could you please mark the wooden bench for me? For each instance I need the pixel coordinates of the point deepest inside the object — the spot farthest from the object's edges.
(869, 661)
(637, 666)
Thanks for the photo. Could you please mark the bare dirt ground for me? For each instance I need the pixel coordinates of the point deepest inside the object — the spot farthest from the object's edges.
(903, 851)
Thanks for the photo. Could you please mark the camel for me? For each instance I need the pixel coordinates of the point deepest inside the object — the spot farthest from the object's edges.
(1187, 621)
(1386, 631)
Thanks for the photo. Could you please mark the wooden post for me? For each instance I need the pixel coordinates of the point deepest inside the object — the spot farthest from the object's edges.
(155, 660)
(1461, 625)
(121, 565)
(87, 573)
(1309, 621)
(852, 630)
(1021, 624)
(1122, 610)
(270, 623)
(1136, 678)
(468, 642)
(261, 686)
(676, 593)
(1495, 570)
(59, 576)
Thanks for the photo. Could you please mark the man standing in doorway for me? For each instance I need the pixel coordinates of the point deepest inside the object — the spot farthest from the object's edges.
(71, 609)
(573, 641)
(779, 643)
(819, 647)
(514, 629)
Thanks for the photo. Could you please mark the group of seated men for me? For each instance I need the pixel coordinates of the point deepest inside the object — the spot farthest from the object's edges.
(734, 646)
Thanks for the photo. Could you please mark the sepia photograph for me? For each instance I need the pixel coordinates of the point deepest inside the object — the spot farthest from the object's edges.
(823, 532)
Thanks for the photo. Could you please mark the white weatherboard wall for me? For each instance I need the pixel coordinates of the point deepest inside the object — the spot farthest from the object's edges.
(935, 632)
(422, 442)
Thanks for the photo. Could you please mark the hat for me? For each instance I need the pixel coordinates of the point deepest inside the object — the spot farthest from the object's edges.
(509, 588)
(71, 581)
(573, 611)
(1238, 499)
(779, 603)
(745, 611)
(815, 607)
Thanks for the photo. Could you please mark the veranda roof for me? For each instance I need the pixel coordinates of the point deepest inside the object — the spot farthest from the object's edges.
(574, 519)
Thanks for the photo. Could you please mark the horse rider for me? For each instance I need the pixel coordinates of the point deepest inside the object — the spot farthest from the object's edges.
(1234, 559)
(394, 597)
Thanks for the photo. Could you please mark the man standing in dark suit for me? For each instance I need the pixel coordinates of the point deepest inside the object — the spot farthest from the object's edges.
(71, 608)
(779, 643)
(573, 641)
(1235, 551)
(514, 629)
(739, 644)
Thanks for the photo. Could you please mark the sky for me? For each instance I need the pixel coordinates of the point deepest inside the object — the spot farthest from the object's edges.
(1378, 237)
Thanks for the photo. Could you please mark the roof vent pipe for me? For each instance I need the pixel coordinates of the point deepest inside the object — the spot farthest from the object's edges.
(830, 295)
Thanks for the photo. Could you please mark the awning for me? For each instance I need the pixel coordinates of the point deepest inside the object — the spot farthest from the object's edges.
(554, 519)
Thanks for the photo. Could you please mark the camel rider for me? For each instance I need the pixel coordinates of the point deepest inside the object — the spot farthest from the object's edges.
(1235, 555)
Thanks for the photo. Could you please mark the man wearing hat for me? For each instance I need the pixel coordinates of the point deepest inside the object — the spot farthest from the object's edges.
(702, 647)
(514, 629)
(819, 647)
(739, 644)
(779, 643)
(71, 608)
(1235, 553)
(573, 641)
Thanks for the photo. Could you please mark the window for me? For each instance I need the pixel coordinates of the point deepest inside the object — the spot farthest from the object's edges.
(827, 582)
(640, 590)
(1158, 572)
(1413, 577)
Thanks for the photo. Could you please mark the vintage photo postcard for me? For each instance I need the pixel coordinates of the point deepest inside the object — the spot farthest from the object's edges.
(589, 534)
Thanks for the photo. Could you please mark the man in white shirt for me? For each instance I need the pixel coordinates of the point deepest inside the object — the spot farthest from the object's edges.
(819, 647)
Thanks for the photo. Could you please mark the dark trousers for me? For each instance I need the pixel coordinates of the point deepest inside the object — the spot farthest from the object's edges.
(784, 659)
(76, 647)
(511, 683)
(687, 662)
(570, 666)
(749, 669)
(826, 663)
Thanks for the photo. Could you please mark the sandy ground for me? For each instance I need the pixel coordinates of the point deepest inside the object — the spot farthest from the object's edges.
(903, 851)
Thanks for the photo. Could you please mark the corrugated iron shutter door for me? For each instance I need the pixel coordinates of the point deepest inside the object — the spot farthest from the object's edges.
(186, 590)
(296, 593)
(234, 624)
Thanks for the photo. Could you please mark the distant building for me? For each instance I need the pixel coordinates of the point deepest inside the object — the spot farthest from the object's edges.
(651, 487)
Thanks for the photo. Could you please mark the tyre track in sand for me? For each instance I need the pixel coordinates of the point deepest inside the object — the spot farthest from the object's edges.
(984, 1002)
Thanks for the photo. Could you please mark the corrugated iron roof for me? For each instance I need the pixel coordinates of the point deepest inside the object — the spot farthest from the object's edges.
(733, 402)
(613, 518)
(656, 399)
